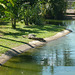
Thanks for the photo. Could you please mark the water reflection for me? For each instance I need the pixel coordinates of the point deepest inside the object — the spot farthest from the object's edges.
(54, 58)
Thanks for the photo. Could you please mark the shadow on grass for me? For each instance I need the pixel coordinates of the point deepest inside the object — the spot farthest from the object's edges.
(36, 30)
(33, 29)
(18, 41)
(10, 53)
(20, 32)
(48, 27)
(13, 52)
(29, 31)
(4, 23)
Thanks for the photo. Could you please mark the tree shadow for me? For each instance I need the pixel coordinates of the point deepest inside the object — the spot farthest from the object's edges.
(47, 28)
(2, 32)
(20, 32)
(11, 52)
(53, 28)
(34, 29)
(4, 23)
(29, 31)
(18, 41)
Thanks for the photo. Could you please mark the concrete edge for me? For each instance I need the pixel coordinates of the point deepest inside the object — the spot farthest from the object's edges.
(18, 50)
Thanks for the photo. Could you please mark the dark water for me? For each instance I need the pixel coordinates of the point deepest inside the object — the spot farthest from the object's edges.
(54, 58)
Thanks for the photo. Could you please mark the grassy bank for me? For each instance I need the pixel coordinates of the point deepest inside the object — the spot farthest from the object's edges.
(10, 38)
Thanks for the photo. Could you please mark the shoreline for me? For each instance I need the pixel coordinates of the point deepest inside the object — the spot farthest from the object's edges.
(21, 49)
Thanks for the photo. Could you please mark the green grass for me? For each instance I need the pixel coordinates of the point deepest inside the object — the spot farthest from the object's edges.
(11, 38)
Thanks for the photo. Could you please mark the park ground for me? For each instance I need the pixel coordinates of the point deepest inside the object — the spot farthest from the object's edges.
(10, 38)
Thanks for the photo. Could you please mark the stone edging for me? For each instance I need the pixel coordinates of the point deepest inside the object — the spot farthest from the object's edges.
(18, 50)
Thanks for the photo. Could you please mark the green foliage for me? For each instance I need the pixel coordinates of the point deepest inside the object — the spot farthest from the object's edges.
(31, 14)
(2, 10)
(11, 2)
(3, 5)
(31, 11)
(36, 15)
(21, 9)
(56, 8)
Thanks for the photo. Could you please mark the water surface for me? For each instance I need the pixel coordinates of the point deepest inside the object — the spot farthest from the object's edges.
(54, 58)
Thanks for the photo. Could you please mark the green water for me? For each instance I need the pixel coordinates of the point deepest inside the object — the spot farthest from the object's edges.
(54, 58)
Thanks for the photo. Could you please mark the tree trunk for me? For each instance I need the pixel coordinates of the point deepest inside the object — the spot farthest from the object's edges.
(26, 21)
(13, 20)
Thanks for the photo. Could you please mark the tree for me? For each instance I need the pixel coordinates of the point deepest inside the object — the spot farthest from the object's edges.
(56, 8)
(30, 13)
(25, 13)
(2, 9)
(14, 10)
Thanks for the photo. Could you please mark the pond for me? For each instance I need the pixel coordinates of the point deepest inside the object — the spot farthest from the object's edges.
(54, 58)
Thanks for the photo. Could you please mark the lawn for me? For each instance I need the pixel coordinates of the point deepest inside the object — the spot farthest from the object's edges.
(10, 38)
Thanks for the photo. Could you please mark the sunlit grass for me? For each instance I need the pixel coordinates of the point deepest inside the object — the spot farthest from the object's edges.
(10, 38)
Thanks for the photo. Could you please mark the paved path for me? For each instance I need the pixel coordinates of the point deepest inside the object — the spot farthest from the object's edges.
(70, 11)
(70, 14)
